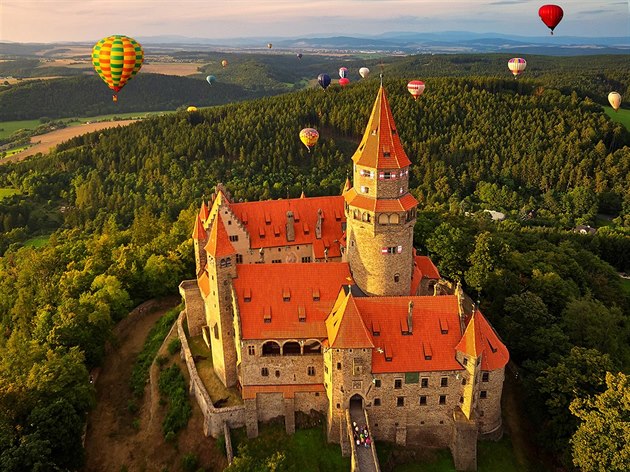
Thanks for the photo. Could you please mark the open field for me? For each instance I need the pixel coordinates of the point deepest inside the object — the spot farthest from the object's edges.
(43, 143)
(172, 68)
(7, 128)
(622, 116)
(37, 241)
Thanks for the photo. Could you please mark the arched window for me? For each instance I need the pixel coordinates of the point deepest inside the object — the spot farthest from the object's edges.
(366, 217)
(312, 347)
(383, 219)
(357, 215)
(394, 219)
(396, 277)
(291, 348)
(271, 348)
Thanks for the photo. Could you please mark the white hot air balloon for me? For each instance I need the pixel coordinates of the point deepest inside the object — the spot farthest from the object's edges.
(615, 100)
(364, 72)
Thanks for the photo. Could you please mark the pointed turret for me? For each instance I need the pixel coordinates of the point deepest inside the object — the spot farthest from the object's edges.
(199, 233)
(345, 326)
(219, 244)
(200, 237)
(204, 211)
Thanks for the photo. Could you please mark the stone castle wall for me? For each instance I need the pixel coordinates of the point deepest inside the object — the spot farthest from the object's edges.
(195, 315)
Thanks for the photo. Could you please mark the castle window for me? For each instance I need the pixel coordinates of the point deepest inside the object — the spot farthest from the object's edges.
(338, 406)
(464, 381)
(215, 331)
(338, 365)
(310, 371)
(465, 361)
(277, 373)
(423, 400)
(396, 278)
(400, 401)
(267, 219)
(251, 350)
(444, 382)
(223, 263)
(315, 294)
(377, 402)
(397, 383)
(383, 219)
(485, 377)
(247, 294)
(325, 368)
(271, 348)
(442, 399)
(365, 189)
(286, 295)
(301, 314)
(356, 214)
(228, 262)
(264, 372)
(443, 326)
(388, 250)
(388, 175)
(306, 259)
(424, 382)
(366, 217)
(377, 383)
(461, 399)
(239, 258)
(267, 314)
(291, 348)
(483, 394)
(276, 261)
(234, 237)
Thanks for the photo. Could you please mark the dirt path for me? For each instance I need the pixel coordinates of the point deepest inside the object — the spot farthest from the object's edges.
(113, 441)
(44, 142)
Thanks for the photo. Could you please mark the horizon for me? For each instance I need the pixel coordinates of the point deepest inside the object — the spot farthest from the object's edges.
(46, 21)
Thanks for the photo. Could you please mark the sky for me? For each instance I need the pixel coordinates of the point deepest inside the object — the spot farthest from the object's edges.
(89, 20)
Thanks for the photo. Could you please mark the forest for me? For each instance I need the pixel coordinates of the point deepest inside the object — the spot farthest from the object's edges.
(119, 206)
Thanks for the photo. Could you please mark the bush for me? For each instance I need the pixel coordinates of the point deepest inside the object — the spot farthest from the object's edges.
(174, 346)
(190, 462)
(173, 387)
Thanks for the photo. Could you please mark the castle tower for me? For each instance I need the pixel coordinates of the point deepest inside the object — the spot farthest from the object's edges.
(221, 268)
(200, 238)
(380, 211)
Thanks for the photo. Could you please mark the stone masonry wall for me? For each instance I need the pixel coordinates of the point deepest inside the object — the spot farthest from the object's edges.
(489, 408)
(195, 315)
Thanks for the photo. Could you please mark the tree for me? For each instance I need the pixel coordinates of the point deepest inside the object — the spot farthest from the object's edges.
(602, 441)
(489, 250)
(450, 246)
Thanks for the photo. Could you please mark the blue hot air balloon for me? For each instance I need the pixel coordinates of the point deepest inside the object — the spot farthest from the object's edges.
(323, 80)
(211, 79)
(299, 55)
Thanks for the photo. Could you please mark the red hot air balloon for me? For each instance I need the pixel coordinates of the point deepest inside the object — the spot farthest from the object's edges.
(415, 87)
(344, 81)
(551, 15)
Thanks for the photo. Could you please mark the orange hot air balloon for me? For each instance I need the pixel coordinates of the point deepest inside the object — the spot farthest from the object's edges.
(224, 63)
(116, 59)
(309, 137)
(551, 15)
(615, 100)
(415, 88)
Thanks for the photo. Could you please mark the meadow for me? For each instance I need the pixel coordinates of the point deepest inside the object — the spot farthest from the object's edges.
(621, 116)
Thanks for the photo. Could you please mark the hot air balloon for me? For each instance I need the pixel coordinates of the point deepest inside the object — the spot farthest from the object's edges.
(191, 109)
(269, 45)
(416, 88)
(309, 137)
(299, 55)
(344, 81)
(323, 80)
(211, 79)
(116, 60)
(517, 65)
(615, 100)
(364, 72)
(224, 63)
(551, 15)
(343, 72)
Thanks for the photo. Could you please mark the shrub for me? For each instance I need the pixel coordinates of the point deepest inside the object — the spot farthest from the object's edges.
(174, 346)
(190, 462)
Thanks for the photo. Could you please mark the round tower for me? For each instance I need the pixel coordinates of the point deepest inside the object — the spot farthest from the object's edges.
(380, 211)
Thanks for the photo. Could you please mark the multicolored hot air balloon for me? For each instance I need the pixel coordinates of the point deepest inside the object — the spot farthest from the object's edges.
(299, 55)
(211, 79)
(309, 137)
(615, 100)
(224, 63)
(364, 72)
(191, 109)
(517, 66)
(323, 80)
(116, 60)
(343, 72)
(416, 88)
(551, 15)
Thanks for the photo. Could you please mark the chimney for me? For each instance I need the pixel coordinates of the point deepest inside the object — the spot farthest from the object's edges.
(318, 225)
(410, 317)
(290, 227)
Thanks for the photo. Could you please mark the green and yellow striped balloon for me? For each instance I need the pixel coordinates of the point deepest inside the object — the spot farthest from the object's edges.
(117, 59)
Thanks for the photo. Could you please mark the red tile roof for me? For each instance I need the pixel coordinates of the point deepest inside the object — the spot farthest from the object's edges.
(426, 266)
(387, 316)
(199, 232)
(345, 326)
(219, 244)
(288, 391)
(403, 203)
(313, 287)
(264, 219)
(480, 340)
(204, 211)
(381, 139)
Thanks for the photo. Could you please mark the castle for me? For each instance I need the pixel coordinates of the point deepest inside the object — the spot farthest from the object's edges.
(323, 304)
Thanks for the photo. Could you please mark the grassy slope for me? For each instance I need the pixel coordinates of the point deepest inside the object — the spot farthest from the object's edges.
(622, 116)
(7, 128)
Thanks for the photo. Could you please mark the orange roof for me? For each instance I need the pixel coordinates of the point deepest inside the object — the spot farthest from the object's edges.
(288, 391)
(263, 220)
(199, 232)
(347, 186)
(320, 245)
(345, 326)
(479, 339)
(403, 203)
(427, 267)
(380, 147)
(426, 349)
(416, 278)
(311, 289)
(204, 212)
(204, 284)
(219, 244)
(357, 200)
